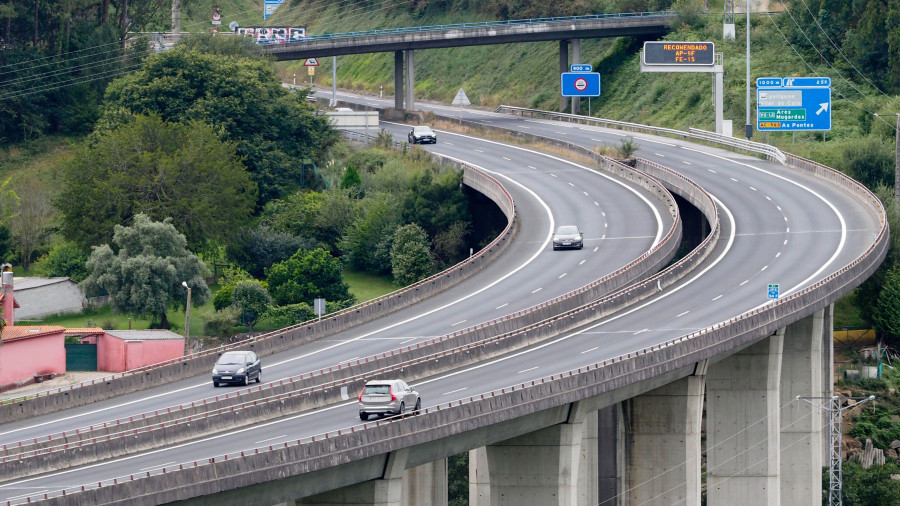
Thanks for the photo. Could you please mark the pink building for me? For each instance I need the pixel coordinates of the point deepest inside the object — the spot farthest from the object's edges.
(31, 353)
(123, 350)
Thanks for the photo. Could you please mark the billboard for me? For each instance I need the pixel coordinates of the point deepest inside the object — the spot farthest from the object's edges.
(272, 34)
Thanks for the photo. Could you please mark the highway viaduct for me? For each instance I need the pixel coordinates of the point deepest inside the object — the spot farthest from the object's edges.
(405, 41)
(624, 431)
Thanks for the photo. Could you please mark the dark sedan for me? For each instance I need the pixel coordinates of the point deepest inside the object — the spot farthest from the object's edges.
(421, 135)
(237, 367)
(568, 236)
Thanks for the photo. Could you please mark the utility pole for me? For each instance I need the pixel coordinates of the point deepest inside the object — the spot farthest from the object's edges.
(176, 17)
(748, 128)
(835, 417)
(187, 319)
(896, 160)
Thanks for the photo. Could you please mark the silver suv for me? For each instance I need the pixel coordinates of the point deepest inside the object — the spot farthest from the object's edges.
(388, 397)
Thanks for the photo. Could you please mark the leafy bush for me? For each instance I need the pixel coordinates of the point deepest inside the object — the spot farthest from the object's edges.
(410, 255)
(252, 300)
(66, 259)
(875, 423)
(307, 276)
(222, 322)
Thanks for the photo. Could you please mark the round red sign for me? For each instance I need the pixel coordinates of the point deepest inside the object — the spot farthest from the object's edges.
(581, 84)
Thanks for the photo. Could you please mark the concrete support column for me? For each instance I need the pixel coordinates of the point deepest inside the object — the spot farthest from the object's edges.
(563, 67)
(611, 456)
(479, 478)
(743, 426)
(410, 80)
(536, 469)
(801, 422)
(576, 59)
(663, 429)
(426, 485)
(386, 491)
(398, 80)
(588, 468)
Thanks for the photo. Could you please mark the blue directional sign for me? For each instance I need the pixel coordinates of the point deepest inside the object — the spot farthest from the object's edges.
(793, 103)
(580, 84)
(581, 67)
(773, 290)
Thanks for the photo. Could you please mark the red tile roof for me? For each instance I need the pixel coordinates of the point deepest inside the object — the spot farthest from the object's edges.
(84, 331)
(18, 332)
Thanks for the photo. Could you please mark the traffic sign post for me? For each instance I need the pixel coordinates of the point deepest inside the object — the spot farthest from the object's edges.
(787, 104)
(773, 290)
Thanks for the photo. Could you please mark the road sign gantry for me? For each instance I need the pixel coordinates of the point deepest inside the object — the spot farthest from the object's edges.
(786, 104)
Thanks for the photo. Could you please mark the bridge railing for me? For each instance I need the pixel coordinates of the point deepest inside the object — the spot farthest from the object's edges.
(770, 152)
(481, 24)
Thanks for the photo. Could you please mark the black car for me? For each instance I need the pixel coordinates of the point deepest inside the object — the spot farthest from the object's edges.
(422, 134)
(568, 236)
(239, 367)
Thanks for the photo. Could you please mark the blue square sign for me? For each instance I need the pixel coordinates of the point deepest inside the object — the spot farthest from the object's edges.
(793, 103)
(580, 84)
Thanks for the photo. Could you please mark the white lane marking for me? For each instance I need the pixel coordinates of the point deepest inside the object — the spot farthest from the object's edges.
(532, 167)
(686, 162)
(778, 207)
(160, 466)
(834, 209)
(581, 262)
(554, 175)
(682, 314)
(596, 248)
(733, 179)
(536, 291)
(745, 282)
(448, 143)
(785, 241)
(401, 344)
(23, 496)
(526, 370)
(596, 203)
(501, 306)
(754, 189)
(656, 142)
(590, 350)
(777, 254)
(572, 184)
(714, 172)
(603, 213)
(479, 150)
(506, 158)
(457, 323)
(561, 276)
(768, 198)
(717, 297)
(586, 193)
(764, 267)
(641, 332)
(788, 230)
(660, 155)
(267, 440)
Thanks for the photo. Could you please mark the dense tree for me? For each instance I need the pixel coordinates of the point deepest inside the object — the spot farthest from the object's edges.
(306, 276)
(435, 201)
(367, 242)
(166, 170)
(868, 294)
(31, 227)
(275, 131)
(65, 259)
(866, 487)
(351, 180)
(144, 275)
(230, 279)
(252, 300)
(886, 314)
(410, 255)
(261, 247)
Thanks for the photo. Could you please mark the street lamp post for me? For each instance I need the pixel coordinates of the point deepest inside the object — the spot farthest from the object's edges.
(896, 159)
(187, 319)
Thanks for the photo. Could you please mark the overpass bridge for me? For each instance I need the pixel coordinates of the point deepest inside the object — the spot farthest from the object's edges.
(405, 41)
(624, 426)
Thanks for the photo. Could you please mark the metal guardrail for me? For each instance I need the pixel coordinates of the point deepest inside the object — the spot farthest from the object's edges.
(482, 24)
(771, 152)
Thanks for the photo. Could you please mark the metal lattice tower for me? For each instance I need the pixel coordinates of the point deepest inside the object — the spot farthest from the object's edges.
(835, 420)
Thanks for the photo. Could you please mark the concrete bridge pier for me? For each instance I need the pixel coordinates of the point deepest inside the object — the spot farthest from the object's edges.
(743, 426)
(807, 362)
(662, 431)
(541, 468)
(387, 491)
(410, 80)
(426, 485)
(398, 80)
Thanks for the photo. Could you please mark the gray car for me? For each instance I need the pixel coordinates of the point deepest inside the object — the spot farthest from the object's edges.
(238, 367)
(422, 134)
(568, 236)
(388, 397)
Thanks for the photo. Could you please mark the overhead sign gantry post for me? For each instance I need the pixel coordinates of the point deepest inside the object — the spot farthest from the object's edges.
(667, 56)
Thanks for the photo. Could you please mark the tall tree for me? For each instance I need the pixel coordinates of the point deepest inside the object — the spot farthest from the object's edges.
(180, 171)
(30, 229)
(410, 255)
(144, 275)
(307, 276)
